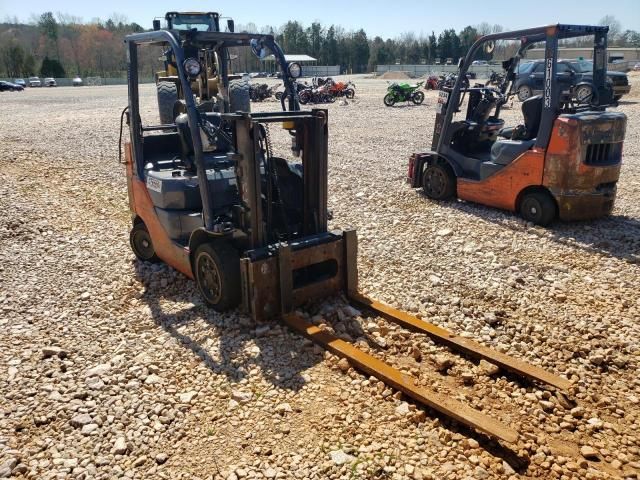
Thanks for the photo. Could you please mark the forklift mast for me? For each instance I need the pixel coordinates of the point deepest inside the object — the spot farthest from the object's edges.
(222, 40)
(311, 128)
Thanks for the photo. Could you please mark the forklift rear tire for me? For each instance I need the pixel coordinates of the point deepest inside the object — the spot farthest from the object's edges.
(538, 208)
(167, 98)
(438, 182)
(216, 267)
(141, 244)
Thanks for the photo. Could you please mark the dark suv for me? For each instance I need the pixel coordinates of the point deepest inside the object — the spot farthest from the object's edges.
(570, 73)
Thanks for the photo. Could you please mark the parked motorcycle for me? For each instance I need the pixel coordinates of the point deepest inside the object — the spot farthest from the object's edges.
(496, 78)
(403, 92)
(260, 92)
(342, 89)
(316, 95)
(448, 81)
(320, 81)
(431, 83)
(298, 85)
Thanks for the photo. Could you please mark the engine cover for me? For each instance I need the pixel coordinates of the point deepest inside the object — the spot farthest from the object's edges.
(178, 189)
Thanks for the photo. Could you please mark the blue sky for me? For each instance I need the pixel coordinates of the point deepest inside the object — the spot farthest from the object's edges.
(378, 17)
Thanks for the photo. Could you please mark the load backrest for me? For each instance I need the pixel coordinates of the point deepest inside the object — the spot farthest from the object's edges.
(532, 112)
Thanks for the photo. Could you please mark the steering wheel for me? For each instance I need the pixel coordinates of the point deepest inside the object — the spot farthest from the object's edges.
(585, 94)
(213, 131)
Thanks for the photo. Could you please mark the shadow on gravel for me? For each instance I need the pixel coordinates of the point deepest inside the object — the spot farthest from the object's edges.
(227, 344)
(616, 235)
(282, 356)
(410, 105)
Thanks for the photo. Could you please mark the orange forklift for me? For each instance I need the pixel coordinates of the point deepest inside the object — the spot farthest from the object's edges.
(563, 161)
(210, 196)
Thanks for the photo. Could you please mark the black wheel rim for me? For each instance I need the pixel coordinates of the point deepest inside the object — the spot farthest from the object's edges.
(142, 244)
(436, 182)
(531, 209)
(209, 277)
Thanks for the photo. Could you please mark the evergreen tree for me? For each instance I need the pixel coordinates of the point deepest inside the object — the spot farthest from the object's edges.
(51, 68)
(360, 51)
(49, 28)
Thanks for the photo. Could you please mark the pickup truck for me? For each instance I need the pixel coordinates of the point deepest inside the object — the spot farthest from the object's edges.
(530, 77)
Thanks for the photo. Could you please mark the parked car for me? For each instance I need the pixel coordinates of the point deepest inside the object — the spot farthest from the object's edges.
(34, 82)
(50, 82)
(479, 63)
(76, 82)
(20, 81)
(570, 73)
(10, 87)
(636, 67)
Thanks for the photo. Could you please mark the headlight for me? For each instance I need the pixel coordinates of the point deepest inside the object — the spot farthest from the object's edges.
(295, 70)
(192, 67)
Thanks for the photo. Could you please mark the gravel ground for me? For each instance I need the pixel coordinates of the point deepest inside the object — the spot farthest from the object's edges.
(115, 369)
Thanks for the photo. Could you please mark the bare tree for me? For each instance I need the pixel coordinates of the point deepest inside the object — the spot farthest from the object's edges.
(615, 28)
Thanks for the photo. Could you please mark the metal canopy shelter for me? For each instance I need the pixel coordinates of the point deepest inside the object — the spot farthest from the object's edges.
(299, 58)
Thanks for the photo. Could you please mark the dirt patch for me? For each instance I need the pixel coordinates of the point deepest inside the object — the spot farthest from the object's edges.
(396, 76)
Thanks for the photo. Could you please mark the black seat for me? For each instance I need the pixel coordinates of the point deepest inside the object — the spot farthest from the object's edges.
(186, 142)
(520, 138)
(532, 113)
(503, 152)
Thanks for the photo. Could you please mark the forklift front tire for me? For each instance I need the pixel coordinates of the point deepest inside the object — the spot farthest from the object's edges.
(538, 208)
(438, 182)
(141, 244)
(216, 267)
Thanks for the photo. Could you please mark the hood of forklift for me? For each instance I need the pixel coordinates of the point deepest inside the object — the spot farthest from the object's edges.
(599, 127)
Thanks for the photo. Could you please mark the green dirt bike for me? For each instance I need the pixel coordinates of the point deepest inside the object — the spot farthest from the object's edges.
(403, 92)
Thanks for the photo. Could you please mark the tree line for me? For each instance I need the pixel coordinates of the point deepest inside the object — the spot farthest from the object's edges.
(63, 45)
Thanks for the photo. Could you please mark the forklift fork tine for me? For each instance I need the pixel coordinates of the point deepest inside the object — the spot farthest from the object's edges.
(403, 382)
(461, 344)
